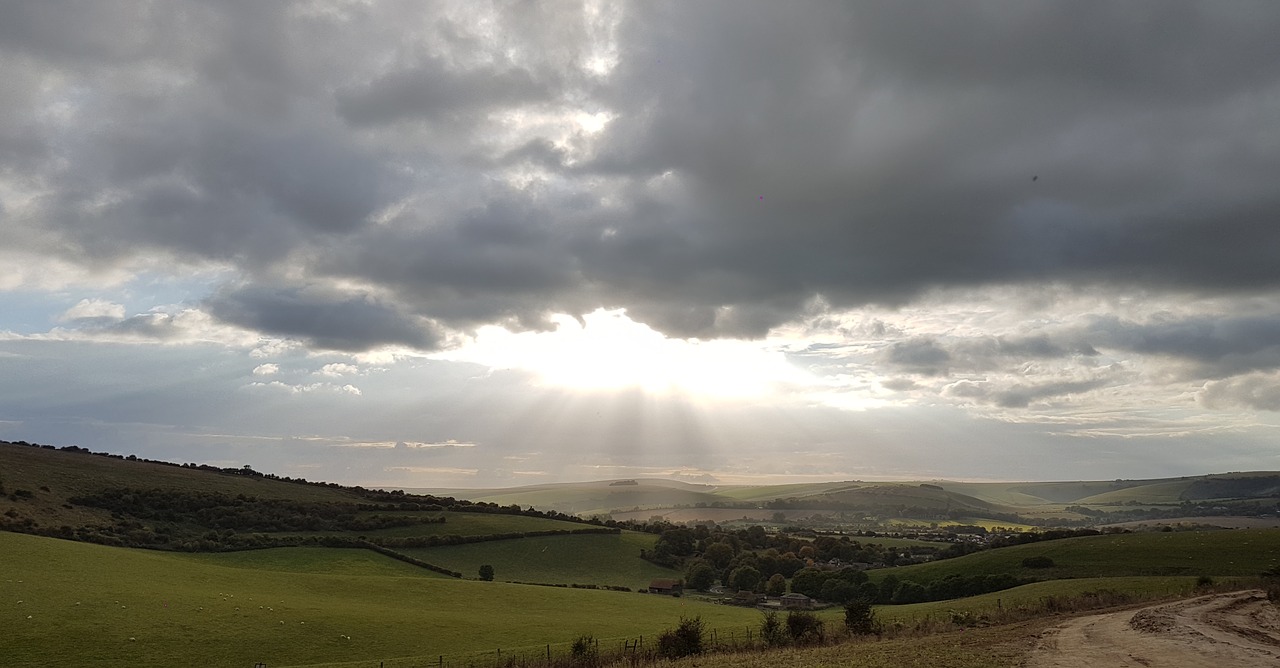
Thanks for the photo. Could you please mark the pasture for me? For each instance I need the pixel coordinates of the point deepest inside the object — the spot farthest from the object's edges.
(1239, 552)
(76, 604)
(603, 559)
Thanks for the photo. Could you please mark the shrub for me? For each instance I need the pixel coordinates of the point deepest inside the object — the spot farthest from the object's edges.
(684, 640)
(771, 630)
(486, 573)
(1037, 562)
(1271, 583)
(860, 618)
(804, 627)
(585, 650)
(1203, 582)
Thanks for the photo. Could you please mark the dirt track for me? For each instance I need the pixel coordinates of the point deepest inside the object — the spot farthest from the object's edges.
(1235, 630)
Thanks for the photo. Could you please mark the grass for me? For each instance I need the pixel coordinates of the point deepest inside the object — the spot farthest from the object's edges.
(603, 559)
(70, 474)
(182, 609)
(1139, 588)
(312, 560)
(1240, 552)
(464, 524)
(996, 647)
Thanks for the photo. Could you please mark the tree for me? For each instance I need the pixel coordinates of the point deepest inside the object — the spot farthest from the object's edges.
(838, 591)
(718, 554)
(700, 576)
(744, 578)
(771, 630)
(860, 617)
(684, 640)
(808, 581)
(776, 586)
(486, 573)
(909, 592)
(804, 627)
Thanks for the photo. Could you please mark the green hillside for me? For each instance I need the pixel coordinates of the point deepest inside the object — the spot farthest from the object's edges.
(53, 477)
(1242, 552)
(591, 559)
(290, 606)
(119, 501)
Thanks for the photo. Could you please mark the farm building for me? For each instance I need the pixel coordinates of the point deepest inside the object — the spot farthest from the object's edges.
(794, 601)
(666, 586)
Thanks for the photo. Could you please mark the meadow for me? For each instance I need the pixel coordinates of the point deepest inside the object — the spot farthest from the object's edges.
(1238, 552)
(608, 559)
(77, 604)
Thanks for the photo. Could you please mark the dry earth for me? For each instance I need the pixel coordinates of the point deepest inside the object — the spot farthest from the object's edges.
(1234, 630)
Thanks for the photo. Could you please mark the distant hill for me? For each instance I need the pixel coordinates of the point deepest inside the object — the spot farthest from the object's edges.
(1000, 502)
(588, 498)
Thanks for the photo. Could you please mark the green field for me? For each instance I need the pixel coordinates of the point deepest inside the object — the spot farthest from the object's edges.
(465, 524)
(602, 559)
(81, 604)
(1028, 595)
(1240, 552)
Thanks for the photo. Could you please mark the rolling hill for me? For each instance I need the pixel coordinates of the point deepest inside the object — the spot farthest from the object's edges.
(290, 606)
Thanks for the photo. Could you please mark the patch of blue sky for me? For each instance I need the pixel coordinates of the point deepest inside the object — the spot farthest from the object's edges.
(26, 312)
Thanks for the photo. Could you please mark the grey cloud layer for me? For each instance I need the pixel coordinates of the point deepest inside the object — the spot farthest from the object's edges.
(759, 156)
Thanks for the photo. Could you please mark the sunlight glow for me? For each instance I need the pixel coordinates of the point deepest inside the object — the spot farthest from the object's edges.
(609, 350)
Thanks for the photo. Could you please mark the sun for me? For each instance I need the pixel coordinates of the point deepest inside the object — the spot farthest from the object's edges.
(608, 350)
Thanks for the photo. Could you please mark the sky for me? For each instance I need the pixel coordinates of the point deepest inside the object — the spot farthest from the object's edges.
(478, 244)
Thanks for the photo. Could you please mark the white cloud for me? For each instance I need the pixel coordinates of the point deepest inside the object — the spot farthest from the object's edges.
(266, 369)
(306, 388)
(337, 369)
(93, 309)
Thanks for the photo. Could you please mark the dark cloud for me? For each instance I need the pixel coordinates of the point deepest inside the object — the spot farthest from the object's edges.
(1215, 346)
(1254, 391)
(922, 356)
(759, 157)
(431, 90)
(1021, 396)
(899, 384)
(324, 320)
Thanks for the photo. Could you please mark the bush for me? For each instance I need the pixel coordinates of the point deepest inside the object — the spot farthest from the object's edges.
(1204, 582)
(1271, 583)
(585, 651)
(860, 618)
(1037, 562)
(771, 630)
(684, 640)
(486, 573)
(804, 627)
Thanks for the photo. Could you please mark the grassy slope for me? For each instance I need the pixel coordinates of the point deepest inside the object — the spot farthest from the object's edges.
(997, 647)
(1217, 553)
(69, 474)
(156, 598)
(1162, 492)
(1031, 594)
(588, 559)
(468, 524)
